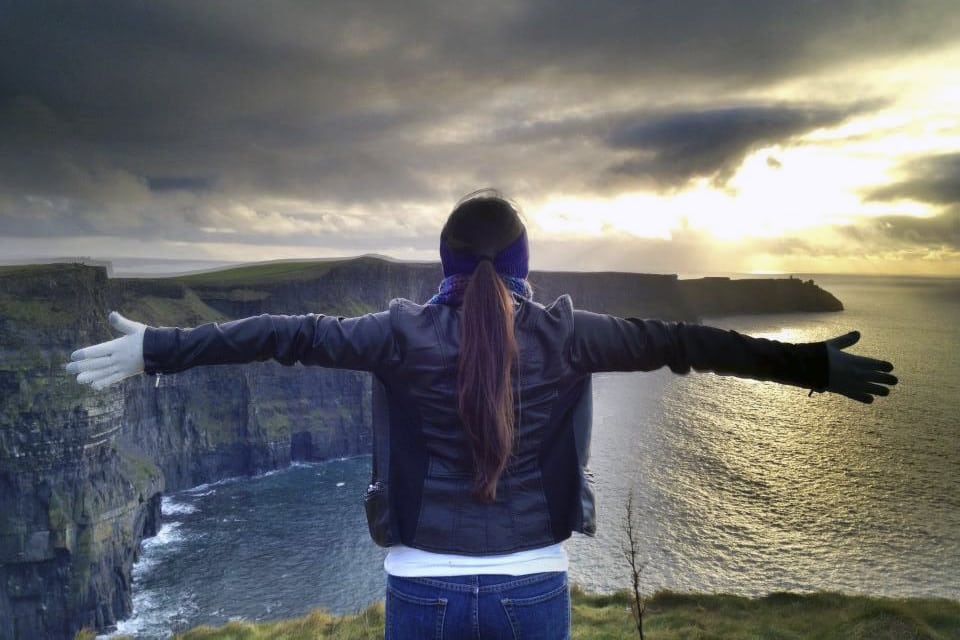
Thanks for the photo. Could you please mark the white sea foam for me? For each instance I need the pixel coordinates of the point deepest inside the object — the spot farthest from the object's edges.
(340, 484)
(168, 507)
(147, 615)
(186, 609)
(143, 566)
(169, 534)
(210, 487)
(153, 614)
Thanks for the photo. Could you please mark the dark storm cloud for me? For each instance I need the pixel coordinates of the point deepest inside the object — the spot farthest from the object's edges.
(163, 119)
(935, 180)
(663, 150)
(663, 44)
(179, 183)
(676, 147)
(941, 230)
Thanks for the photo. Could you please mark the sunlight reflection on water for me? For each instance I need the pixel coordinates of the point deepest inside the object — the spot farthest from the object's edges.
(750, 487)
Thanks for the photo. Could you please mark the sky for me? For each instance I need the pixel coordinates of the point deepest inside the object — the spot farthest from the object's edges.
(669, 136)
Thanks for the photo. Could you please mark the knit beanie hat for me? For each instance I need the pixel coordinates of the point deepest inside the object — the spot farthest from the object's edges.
(484, 227)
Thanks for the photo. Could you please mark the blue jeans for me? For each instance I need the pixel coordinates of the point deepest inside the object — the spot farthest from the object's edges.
(535, 606)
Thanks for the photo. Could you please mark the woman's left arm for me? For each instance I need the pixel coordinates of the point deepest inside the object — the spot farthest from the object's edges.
(857, 377)
(607, 343)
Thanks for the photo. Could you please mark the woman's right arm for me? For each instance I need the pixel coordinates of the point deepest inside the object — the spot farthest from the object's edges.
(327, 341)
(362, 343)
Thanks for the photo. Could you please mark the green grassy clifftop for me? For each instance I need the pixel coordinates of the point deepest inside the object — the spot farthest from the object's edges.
(670, 616)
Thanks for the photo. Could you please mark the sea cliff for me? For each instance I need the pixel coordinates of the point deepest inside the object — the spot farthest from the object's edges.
(82, 472)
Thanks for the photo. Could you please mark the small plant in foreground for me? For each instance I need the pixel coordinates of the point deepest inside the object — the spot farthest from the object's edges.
(631, 551)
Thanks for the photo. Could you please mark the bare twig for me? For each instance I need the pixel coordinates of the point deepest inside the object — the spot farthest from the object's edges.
(631, 551)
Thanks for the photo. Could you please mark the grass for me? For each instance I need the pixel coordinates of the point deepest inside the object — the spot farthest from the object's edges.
(671, 616)
(779, 616)
(39, 268)
(367, 624)
(37, 312)
(188, 310)
(262, 273)
(139, 469)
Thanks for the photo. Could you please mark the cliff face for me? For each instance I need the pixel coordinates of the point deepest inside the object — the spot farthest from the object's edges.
(81, 472)
(206, 424)
(74, 503)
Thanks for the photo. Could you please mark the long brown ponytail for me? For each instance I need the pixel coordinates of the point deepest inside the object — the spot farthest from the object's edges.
(488, 351)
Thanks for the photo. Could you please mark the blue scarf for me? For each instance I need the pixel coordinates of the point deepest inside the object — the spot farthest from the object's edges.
(453, 287)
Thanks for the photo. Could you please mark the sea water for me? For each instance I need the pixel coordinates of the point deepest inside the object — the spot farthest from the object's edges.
(739, 486)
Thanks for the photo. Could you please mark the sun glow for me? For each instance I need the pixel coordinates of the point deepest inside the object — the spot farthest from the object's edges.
(777, 191)
(637, 214)
(815, 192)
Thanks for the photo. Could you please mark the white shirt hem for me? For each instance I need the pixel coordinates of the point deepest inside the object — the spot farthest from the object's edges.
(407, 562)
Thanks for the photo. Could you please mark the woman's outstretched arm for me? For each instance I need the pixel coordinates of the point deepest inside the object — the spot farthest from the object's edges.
(607, 343)
(106, 363)
(363, 343)
(857, 377)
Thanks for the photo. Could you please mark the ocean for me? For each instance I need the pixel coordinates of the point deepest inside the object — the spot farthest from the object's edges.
(739, 486)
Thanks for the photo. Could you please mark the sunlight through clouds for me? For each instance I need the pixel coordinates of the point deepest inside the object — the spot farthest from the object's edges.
(639, 215)
(807, 188)
(677, 137)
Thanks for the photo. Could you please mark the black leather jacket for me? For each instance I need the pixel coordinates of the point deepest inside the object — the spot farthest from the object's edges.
(423, 473)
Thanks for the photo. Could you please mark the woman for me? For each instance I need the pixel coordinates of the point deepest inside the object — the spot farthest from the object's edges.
(481, 451)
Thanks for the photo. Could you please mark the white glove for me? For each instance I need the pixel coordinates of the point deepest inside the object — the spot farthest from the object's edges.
(104, 364)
